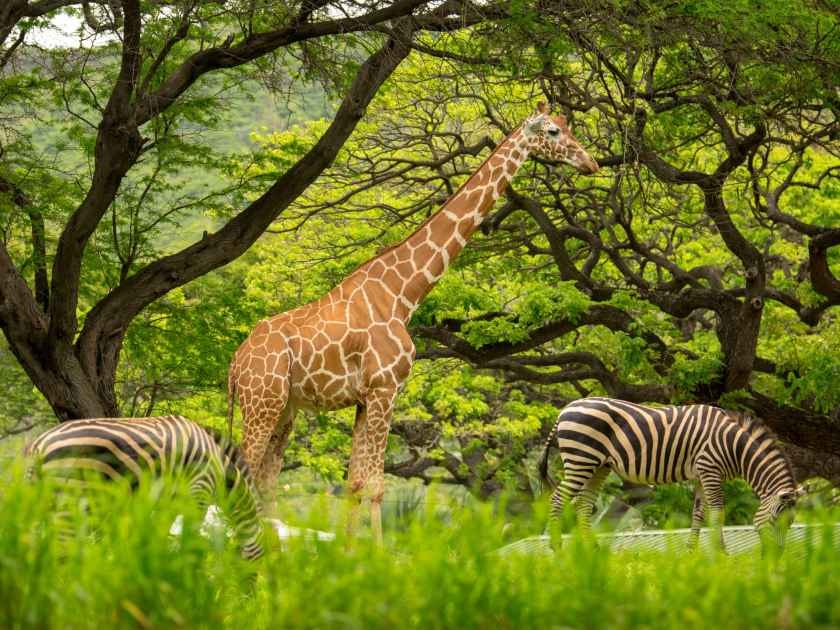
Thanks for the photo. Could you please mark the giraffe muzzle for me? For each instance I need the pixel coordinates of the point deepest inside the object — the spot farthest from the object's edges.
(586, 164)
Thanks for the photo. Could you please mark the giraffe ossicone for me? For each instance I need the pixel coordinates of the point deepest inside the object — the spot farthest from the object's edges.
(351, 347)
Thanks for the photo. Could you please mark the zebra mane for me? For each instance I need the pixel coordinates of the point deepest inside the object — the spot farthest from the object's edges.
(750, 423)
(757, 428)
(231, 452)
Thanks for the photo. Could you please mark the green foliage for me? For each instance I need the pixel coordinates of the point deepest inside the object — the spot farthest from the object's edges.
(671, 505)
(688, 373)
(437, 573)
(22, 405)
(536, 305)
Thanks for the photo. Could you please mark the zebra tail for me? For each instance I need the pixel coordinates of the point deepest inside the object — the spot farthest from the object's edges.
(543, 463)
(231, 397)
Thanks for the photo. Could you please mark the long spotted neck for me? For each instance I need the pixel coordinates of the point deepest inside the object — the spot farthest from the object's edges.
(422, 258)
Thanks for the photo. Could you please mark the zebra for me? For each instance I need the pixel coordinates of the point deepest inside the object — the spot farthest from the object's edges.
(164, 446)
(664, 445)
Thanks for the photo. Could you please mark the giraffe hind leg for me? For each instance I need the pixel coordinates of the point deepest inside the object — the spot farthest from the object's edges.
(272, 462)
(262, 406)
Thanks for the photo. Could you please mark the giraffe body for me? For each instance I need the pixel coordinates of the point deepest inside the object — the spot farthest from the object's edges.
(352, 347)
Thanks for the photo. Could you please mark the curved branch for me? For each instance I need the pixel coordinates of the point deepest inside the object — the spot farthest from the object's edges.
(598, 314)
(257, 45)
(822, 278)
(110, 318)
(118, 145)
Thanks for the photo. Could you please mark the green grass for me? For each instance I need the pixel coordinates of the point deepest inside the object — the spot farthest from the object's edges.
(123, 570)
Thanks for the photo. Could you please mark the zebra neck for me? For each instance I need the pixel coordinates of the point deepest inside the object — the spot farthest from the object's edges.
(762, 465)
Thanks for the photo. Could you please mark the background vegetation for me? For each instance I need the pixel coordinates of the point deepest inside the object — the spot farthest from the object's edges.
(189, 168)
(177, 170)
(438, 573)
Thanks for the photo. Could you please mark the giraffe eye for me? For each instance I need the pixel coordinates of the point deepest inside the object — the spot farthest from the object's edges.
(554, 132)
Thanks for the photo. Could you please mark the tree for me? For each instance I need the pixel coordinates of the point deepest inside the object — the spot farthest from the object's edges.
(698, 267)
(146, 78)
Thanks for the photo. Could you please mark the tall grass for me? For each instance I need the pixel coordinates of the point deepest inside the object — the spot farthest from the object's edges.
(122, 569)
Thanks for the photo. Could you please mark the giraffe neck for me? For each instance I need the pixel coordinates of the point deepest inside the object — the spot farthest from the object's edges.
(412, 267)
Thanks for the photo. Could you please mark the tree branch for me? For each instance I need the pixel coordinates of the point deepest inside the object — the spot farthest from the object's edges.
(258, 45)
(109, 319)
(118, 145)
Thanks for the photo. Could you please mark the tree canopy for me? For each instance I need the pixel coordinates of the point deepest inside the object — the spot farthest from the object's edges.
(699, 264)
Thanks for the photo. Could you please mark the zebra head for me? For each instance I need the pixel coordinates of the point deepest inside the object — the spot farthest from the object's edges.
(775, 514)
(244, 503)
(777, 500)
(765, 466)
(779, 503)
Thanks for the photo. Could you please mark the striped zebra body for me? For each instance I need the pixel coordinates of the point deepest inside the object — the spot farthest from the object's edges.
(163, 447)
(664, 445)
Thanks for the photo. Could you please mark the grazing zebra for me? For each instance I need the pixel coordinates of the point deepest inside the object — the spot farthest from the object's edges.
(665, 445)
(164, 446)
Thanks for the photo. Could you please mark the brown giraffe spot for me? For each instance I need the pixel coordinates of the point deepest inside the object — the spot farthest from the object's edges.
(405, 269)
(392, 281)
(423, 254)
(320, 341)
(377, 268)
(260, 333)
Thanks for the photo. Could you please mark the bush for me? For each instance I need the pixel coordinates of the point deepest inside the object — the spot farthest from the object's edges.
(122, 569)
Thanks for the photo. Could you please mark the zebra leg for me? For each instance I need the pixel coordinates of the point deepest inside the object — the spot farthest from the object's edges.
(713, 492)
(585, 500)
(574, 480)
(698, 514)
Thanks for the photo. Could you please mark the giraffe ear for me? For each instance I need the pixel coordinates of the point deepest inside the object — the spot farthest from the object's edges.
(534, 125)
(542, 108)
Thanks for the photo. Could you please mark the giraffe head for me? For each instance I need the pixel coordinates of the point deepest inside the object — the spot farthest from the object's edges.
(551, 138)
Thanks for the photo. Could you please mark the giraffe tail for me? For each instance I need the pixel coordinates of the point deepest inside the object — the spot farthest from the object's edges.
(543, 463)
(231, 398)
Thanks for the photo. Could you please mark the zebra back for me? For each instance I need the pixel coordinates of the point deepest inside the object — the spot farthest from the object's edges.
(166, 446)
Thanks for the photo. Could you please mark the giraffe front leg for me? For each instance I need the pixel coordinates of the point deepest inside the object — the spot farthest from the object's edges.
(354, 471)
(366, 478)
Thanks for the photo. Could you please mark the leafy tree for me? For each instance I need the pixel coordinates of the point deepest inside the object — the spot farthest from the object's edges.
(697, 266)
(92, 195)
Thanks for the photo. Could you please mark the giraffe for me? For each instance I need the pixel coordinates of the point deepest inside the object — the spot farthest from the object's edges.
(352, 347)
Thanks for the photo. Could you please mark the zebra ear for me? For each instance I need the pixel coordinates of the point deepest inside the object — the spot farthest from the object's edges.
(789, 497)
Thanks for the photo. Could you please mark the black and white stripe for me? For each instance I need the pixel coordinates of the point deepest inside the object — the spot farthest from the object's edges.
(164, 447)
(664, 445)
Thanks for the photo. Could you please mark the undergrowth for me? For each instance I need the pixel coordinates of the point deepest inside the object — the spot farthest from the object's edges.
(121, 568)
